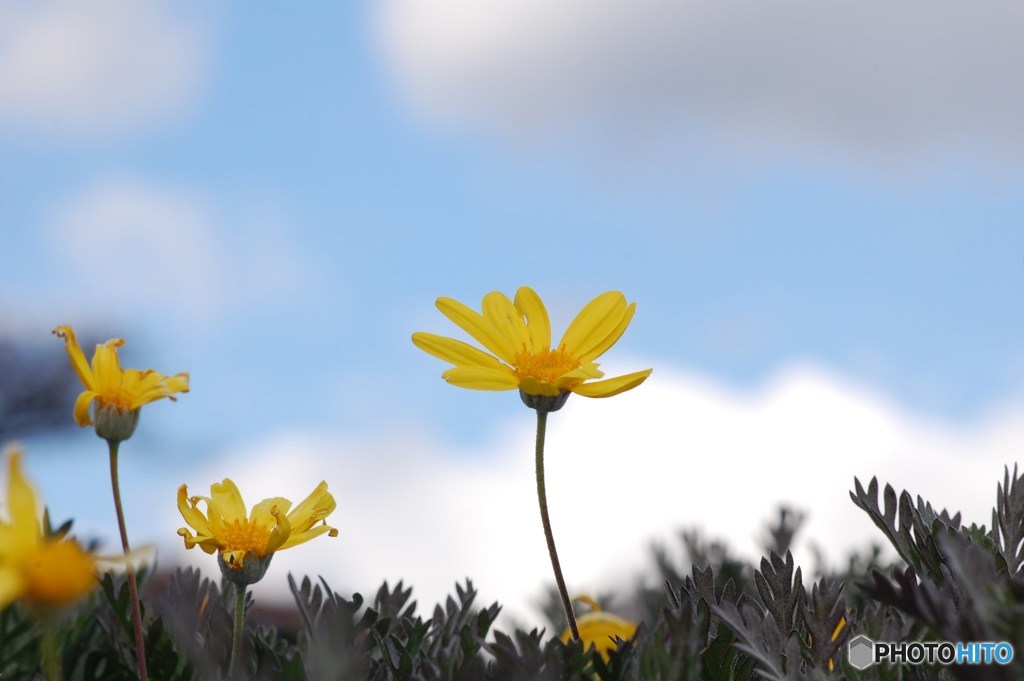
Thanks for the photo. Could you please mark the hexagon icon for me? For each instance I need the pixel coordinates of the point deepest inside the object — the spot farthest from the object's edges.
(861, 652)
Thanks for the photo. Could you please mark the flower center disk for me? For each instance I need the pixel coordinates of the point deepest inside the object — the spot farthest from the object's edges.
(546, 366)
(245, 536)
(59, 573)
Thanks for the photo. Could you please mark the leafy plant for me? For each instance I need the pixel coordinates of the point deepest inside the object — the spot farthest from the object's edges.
(715, 618)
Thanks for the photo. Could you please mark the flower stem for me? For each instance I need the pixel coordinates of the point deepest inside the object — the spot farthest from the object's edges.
(133, 588)
(236, 634)
(51, 654)
(542, 497)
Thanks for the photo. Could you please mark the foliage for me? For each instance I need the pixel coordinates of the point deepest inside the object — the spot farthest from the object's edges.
(714, 618)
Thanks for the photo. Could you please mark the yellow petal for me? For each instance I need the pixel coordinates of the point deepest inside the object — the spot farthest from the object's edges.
(502, 315)
(601, 629)
(192, 515)
(207, 544)
(82, 404)
(58, 574)
(282, 530)
(186, 534)
(261, 512)
(453, 351)
(588, 601)
(598, 349)
(76, 356)
(135, 382)
(482, 378)
(213, 513)
(228, 501)
(178, 383)
(8, 539)
(297, 538)
(314, 508)
(12, 585)
(599, 318)
(479, 328)
(584, 373)
(234, 558)
(531, 386)
(147, 386)
(538, 325)
(106, 368)
(22, 505)
(611, 386)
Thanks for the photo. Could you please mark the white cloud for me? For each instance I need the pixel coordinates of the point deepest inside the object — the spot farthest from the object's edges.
(130, 245)
(93, 68)
(680, 451)
(866, 76)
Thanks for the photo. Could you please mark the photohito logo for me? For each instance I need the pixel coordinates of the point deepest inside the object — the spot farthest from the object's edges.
(862, 652)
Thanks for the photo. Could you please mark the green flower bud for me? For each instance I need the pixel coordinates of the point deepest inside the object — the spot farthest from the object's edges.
(545, 403)
(113, 423)
(248, 570)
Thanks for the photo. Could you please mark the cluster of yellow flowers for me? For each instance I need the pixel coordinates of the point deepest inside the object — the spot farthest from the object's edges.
(116, 395)
(49, 573)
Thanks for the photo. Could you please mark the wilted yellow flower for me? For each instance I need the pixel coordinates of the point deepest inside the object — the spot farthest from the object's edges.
(600, 629)
(45, 572)
(252, 537)
(519, 335)
(118, 393)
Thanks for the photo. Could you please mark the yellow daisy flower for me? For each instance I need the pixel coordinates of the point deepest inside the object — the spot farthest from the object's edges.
(252, 537)
(600, 629)
(519, 336)
(45, 572)
(117, 393)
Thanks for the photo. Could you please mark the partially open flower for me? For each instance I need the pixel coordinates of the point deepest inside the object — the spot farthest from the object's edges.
(46, 573)
(519, 336)
(115, 394)
(246, 542)
(600, 629)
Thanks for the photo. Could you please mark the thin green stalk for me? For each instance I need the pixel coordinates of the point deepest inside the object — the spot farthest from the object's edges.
(51, 654)
(133, 588)
(542, 497)
(236, 634)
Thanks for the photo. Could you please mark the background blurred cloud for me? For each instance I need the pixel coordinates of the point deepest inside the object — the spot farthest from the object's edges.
(128, 241)
(868, 78)
(98, 68)
(133, 245)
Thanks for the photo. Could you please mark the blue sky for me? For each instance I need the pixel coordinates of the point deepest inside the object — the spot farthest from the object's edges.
(272, 197)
